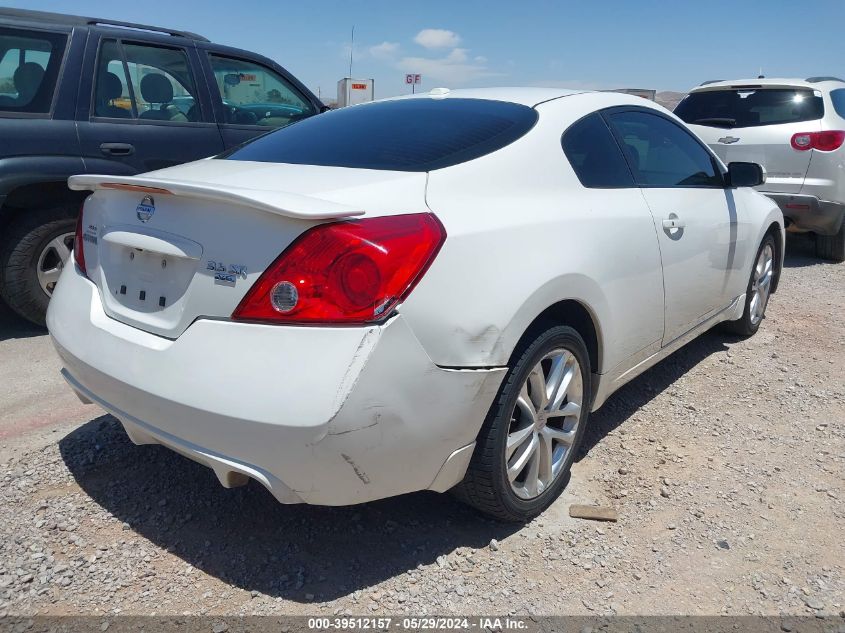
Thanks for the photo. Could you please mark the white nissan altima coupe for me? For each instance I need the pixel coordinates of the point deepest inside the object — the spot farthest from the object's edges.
(422, 293)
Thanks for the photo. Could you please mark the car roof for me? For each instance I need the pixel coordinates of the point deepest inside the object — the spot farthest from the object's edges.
(532, 97)
(78, 20)
(523, 96)
(774, 82)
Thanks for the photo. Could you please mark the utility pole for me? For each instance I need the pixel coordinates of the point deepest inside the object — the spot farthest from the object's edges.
(351, 49)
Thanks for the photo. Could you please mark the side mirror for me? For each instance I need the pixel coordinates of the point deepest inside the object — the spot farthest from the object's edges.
(746, 175)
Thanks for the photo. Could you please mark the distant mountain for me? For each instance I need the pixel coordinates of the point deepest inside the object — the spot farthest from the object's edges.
(669, 99)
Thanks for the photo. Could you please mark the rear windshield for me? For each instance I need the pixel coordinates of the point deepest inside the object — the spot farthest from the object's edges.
(29, 68)
(751, 107)
(402, 135)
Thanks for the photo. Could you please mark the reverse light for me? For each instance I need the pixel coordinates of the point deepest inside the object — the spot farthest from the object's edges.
(823, 141)
(79, 242)
(345, 272)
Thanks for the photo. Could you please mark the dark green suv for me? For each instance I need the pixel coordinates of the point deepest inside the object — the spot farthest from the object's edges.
(83, 95)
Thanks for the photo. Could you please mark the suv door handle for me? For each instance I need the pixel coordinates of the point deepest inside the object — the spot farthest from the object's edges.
(117, 149)
(673, 222)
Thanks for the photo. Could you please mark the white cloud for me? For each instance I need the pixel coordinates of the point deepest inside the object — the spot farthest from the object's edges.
(437, 38)
(453, 70)
(457, 56)
(385, 50)
(453, 66)
(571, 84)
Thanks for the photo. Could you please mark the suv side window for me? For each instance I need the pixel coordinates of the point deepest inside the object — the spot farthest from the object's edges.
(595, 155)
(152, 83)
(662, 154)
(29, 69)
(838, 98)
(255, 95)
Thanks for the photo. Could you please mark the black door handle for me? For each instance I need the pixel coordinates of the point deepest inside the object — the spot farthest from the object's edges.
(117, 149)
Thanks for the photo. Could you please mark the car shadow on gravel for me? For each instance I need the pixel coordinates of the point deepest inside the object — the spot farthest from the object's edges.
(644, 388)
(244, 537)
(12, 326)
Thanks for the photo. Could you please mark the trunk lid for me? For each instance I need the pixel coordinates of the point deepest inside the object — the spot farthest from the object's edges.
(187, 242)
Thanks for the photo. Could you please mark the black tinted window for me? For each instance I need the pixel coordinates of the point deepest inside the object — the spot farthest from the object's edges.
(838, 98)
(750, 107)
(662, 154)
(594, 154)
(29, 68)
(404, 135)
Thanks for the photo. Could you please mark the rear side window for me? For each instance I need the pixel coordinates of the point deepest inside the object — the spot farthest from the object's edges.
(595, 155)
(838, 98)
(403, 135)
(29, 69)
(154, 84)
(751, 107)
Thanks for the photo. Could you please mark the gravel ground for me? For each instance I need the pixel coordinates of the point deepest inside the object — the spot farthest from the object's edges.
(726, 463)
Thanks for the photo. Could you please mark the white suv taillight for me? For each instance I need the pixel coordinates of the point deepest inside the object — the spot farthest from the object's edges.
(345, 272)
(822, 141)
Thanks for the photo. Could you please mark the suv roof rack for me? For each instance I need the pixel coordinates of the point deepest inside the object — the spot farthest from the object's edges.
(78, 20)
(814, 80)
(710, 81)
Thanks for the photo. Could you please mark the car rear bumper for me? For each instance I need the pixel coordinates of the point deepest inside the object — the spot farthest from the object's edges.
(808, 213)
(329, 416)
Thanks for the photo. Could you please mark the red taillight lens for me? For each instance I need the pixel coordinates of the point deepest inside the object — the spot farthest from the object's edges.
(822, 141)
(345, 272)
(78, 242)
(829, 141)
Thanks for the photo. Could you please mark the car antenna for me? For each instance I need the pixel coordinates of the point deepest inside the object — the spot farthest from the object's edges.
(761, 75)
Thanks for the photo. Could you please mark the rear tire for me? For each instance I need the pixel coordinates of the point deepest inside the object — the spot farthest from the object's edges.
(761, 278)
(25, 246)
(832, 247)
(533, 431)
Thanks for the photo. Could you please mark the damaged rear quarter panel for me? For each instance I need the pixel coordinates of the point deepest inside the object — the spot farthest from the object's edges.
(402, 419)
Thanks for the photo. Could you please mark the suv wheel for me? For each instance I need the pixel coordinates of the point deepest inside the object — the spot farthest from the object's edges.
(34, 250)
(533, 431)
(832, 247)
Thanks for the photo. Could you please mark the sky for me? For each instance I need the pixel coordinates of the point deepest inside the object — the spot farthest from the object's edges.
(469, 43)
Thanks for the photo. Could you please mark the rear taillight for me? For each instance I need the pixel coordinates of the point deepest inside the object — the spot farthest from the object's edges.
(822, 141)
(78, 242)
(345, 272)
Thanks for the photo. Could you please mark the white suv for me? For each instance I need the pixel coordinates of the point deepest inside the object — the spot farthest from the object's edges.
(795, 128)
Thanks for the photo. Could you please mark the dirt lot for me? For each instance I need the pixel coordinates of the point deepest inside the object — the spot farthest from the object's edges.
(726, 463)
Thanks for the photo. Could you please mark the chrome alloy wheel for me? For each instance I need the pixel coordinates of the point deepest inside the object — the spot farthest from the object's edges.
(544, 423)
(761, 284)
(52, 260)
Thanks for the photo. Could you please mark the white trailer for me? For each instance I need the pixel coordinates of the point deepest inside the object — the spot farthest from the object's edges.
(351, 91)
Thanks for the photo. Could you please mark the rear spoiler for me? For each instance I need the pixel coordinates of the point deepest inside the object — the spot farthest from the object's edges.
(291, 205)
(710, 87)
